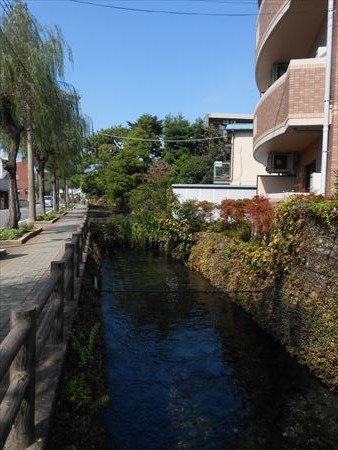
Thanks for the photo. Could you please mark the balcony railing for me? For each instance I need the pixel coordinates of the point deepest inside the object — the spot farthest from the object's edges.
(222, 172)
(268, 13)
(295, 99)
(287, 30)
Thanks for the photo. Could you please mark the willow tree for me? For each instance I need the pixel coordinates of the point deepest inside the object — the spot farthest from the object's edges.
(65, 152)
(31, 60)
(59, 139)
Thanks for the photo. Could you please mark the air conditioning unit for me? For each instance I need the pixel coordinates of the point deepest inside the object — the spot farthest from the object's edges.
(284, 163)
(315, 182)
(321, 52)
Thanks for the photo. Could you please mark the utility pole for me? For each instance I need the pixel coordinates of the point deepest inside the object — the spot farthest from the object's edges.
(327, 97)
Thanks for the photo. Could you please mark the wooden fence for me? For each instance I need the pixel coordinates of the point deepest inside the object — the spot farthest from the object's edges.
(30, 329)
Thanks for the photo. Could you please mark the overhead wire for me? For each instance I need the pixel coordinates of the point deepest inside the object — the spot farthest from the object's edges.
(192, 140)
(186, 13)
(215, 2)
(162, 11)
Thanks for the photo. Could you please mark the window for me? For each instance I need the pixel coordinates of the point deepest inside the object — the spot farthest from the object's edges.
(279, 69)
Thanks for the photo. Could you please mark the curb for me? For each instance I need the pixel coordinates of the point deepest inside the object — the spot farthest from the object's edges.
(51, 221)
(47, 221)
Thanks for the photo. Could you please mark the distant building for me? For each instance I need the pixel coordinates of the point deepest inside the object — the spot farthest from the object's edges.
(238, 166)
(236, 170)
(22, 179)
(296, 119)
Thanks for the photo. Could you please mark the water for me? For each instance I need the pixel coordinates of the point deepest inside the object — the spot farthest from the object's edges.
(188, 369)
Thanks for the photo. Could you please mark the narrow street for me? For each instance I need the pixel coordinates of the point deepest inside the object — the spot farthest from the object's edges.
(24, 215)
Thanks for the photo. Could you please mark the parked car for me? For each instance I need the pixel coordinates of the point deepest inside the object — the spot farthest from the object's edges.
(48, 200)
(23, 203)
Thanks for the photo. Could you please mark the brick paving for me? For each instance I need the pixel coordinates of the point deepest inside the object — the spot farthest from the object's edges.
(25, 266)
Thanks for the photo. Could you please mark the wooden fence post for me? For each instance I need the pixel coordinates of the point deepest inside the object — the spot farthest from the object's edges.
(56, 335)
(75, 241)
(22, 434)
(81, 242)
(72, 276)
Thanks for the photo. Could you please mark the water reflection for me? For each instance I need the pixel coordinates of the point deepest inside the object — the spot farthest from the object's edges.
(190, 370)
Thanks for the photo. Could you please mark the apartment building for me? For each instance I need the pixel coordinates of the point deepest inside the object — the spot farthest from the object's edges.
(296, 120)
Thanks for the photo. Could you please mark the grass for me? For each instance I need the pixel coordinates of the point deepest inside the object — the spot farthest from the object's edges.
(48, 216)
(13, 233)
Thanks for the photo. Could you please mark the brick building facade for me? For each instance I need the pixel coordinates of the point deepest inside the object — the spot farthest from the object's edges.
(22, 179)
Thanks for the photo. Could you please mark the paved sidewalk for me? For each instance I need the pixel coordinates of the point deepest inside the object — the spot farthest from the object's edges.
(25, 266)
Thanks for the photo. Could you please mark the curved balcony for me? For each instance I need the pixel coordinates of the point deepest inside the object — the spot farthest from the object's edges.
(287, 29)
(289, 115)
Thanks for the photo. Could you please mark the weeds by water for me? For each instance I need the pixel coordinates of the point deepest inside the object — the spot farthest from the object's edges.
(78, 418)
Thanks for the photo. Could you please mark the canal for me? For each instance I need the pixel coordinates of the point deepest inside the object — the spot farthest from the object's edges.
(188, 369)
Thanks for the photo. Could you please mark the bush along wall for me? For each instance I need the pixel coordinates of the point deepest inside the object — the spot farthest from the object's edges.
(288, 282)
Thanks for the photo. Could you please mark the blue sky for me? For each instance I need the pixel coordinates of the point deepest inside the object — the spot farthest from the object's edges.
(130, 63)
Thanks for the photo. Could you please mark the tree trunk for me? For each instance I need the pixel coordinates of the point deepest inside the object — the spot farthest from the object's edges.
(57, 184)
(66, 193)
(31, 184)
(55, 197)
(13, 199)
(41, 175)
(41, 164)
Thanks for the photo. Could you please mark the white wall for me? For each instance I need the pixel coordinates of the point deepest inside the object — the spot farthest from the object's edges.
(212, 192)
(245, 168)
(274, 184)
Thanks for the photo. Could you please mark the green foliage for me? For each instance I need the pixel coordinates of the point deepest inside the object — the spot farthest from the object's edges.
(78, 416)
(121, 163)
(49, 216)
(34, 96)
(196, 169)
(86, 351)
(157, 221)
(176, 236)
(78, 389)
(303, 206)
(192, 162)
(190, 212)
(92, 185)
(152, 127)
(116, 232)
(120, 166)
(15, 233)
(78, 392)
(176, 128)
